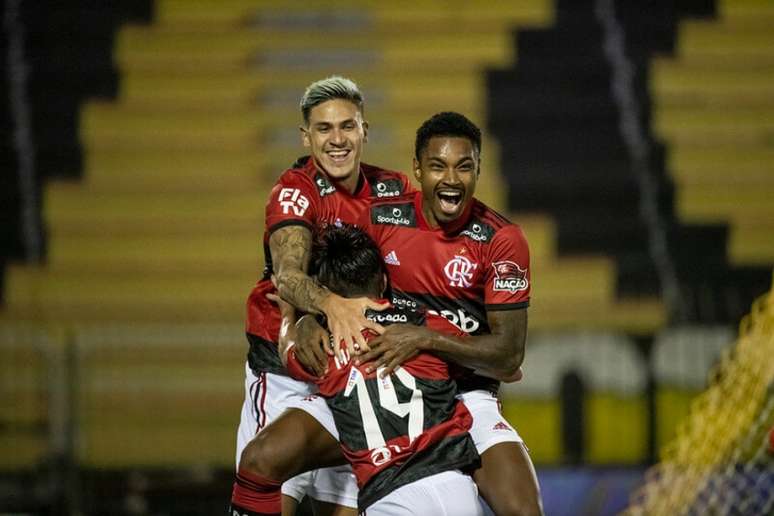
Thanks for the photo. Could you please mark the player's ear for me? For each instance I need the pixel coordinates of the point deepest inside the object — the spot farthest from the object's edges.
(305, 138)
(365, 131)
(417, 170)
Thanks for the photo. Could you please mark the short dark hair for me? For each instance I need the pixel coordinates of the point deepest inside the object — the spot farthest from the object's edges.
(348, 262)
(330, 88)
(447, 123)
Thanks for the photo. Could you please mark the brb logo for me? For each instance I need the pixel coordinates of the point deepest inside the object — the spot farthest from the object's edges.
(291, 199)
(460, 270)
(510, 277)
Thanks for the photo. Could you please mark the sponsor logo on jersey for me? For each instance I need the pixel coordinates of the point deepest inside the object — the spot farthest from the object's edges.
(459, 318)
(460, 271)
(396, 215)
(478, 231)
(509, 277)
(391, 258)
(383, 455)
(323, 185)
(501, 426)
(403, 302)
(291, 199)
(382, 317)
(387, 188)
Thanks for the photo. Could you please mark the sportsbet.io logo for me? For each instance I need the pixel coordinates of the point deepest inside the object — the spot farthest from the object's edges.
(402, 215)
(509, 277)
(460, 270)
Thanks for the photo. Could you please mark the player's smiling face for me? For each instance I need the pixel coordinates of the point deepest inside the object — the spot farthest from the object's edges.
(336, 134)
(447, 172)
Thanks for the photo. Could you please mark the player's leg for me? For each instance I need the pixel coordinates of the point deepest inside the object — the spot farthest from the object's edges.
(506, 478)
(450, 493)
(341, 499)
(292, 442)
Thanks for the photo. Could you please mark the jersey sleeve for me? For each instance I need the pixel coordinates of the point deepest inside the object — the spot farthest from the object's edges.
(507, 278)
(294, 200)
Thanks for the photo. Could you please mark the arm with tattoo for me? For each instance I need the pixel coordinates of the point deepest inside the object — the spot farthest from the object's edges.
(291, 249)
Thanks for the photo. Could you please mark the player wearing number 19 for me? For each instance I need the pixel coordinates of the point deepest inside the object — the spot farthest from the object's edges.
(405, 434)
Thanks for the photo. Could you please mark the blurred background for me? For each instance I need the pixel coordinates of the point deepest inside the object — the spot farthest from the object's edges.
(633, 141)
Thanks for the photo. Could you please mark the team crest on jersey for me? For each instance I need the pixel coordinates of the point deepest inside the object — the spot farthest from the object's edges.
(323, 185)
(394, 215)
(509, 277)
(478, 231)
(460, 271)
(387, 188)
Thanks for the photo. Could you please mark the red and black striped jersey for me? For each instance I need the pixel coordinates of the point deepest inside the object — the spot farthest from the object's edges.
(304, 195)
(400, 428)
(476, 264)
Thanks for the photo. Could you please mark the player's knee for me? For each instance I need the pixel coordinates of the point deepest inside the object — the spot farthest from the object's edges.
(261, 458)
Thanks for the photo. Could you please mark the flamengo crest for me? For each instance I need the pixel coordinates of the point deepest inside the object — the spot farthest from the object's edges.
(460, 270)
(509, 277)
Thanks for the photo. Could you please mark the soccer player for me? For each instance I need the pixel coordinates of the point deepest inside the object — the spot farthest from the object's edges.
(329, 187)
(404, 434)
(447, 251)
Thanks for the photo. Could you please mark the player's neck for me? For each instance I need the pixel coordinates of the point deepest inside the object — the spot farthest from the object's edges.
(352, 183)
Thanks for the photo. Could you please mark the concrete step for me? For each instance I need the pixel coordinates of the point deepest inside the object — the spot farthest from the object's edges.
(386, 88)
(207, 13)
(722, 166)
(719, 204)
(128, 171)
(39, 294)
(67, 204)
(234, 49)
(750, 241)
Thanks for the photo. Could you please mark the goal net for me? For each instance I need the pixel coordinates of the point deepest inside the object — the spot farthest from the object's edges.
(722, 459)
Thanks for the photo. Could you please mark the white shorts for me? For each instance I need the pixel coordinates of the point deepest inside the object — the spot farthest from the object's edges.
(445, 494)
(489, 425)
(267, 396)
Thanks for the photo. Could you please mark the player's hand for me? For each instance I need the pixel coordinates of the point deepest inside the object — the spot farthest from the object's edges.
(398, 343)
(311, 345)
(287, 331)
(346, 321)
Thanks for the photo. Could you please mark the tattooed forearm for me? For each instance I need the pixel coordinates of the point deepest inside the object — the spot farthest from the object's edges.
(291, 249)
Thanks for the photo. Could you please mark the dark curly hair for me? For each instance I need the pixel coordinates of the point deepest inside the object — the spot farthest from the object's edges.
(447, 123)
(348, 262)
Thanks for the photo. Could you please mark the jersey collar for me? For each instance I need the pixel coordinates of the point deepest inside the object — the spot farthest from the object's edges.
(362, 189)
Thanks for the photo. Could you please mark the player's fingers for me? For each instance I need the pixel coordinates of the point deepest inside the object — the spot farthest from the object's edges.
(390, 366)
(368, 356)
(308, 361)
(360, 345)
(273, 297)
(371, 325)
(320, 356)
(326, 341)
(374, 305)
(345, 351)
